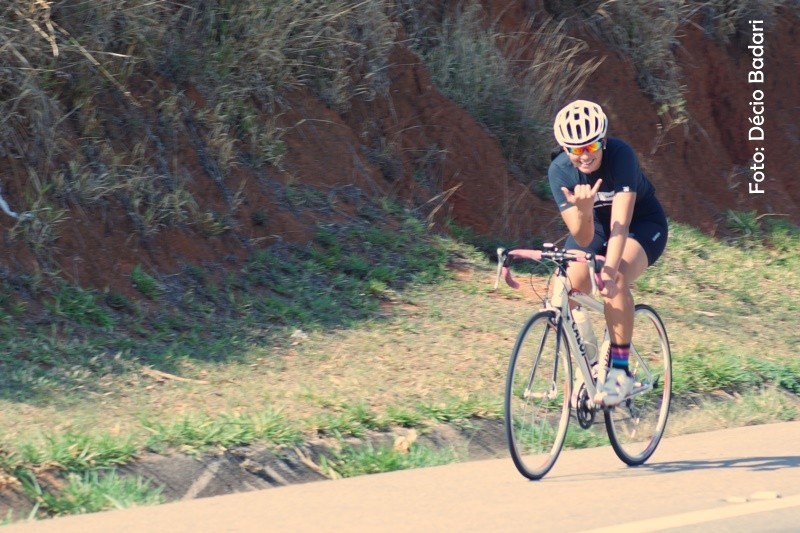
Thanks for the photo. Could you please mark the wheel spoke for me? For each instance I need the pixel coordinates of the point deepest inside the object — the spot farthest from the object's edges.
(635, 428)
(538, 388)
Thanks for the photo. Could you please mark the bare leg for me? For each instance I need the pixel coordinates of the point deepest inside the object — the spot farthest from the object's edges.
(578, 274)
(618, 383)
(619, 310)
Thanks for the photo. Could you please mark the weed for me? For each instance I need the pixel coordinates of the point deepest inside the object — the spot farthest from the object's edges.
(194, 434)
(784, 375)
(337, 49)
(259, 217)
(298, 195)
(91, 492)
(356, 461)
(377, 288)
(40, 228)
(729, 20)
(220, 139)
(80, 184)
(404, 417)
(580, 438)
(151, 201)
(705, 370)
(745, 226)
(212, 223)
(461, 409)
(120, 302)
(145, 283)
(354, 421)
(74, 452)
(78, 305)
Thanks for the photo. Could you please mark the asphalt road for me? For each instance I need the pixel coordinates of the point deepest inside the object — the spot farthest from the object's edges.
(745, 479)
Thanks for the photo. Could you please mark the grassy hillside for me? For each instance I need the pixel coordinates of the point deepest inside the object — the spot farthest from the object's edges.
(245, 303)
(432, 351)
(132, 124)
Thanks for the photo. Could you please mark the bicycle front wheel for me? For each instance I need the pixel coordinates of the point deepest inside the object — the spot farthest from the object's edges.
(537, 395)
(635, 427)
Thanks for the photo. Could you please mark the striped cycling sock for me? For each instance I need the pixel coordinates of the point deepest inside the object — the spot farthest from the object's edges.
(619, 355)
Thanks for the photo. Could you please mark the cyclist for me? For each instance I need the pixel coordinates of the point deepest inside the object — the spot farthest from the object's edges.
(610, 208)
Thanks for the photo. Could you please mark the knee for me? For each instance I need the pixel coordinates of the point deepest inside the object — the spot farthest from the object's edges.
(578, 275)
(625, 280)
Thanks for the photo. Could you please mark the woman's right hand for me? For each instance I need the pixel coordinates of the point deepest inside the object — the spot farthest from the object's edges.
(583, 195)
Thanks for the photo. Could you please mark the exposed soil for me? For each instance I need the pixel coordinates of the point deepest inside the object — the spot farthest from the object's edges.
(700, 169)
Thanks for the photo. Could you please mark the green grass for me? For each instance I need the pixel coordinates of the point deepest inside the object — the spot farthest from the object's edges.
(348, 421)
(91, 492)
(357, 461)
(578, 438)
(195, 434)
(74, 452)
(461, 409)
(79, 306)
(432, 349)
(143, 282)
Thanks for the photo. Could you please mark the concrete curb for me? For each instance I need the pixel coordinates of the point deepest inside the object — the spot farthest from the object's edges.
(248, 468)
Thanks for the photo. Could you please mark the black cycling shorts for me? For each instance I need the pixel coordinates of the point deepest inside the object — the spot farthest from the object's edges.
(650, 230)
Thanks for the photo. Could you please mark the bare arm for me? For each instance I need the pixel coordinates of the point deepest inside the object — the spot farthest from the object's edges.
(580, 217)
(621, 214)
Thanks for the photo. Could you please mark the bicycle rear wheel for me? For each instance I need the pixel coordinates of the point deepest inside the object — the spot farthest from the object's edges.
(537, 395)
(635, 427)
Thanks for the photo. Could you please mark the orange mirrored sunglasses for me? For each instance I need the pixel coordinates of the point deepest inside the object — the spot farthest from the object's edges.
(589, 148)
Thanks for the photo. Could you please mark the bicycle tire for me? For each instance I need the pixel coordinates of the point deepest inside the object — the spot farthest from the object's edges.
(537, 395)
(635, 427)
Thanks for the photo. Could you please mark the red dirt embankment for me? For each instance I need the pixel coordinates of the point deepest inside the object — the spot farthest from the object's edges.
(700, 169)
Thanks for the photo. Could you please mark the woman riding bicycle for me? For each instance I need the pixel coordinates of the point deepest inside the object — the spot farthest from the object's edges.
(610, 208)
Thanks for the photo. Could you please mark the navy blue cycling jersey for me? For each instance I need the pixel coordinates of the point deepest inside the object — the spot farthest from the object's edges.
(620, 172)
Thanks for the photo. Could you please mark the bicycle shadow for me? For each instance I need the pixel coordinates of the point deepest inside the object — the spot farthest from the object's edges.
(756, 464)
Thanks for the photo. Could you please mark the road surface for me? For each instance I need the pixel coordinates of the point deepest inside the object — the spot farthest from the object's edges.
(745, 479)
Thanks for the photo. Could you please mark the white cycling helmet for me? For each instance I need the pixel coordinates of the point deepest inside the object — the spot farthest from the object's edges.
(579, 123)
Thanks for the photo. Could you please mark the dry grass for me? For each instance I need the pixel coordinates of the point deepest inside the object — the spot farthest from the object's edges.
(337, 49)
(728, 20)
(241, 55)
(59, 57)
(649, 31)
(444, 349)
(512, 83)
(726, 411)
(434, 349)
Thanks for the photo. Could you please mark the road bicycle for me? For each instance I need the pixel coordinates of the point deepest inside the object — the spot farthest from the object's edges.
(539, 397)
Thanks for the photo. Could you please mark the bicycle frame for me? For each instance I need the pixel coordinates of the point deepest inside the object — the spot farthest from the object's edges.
(539, 402)
(575, 344)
